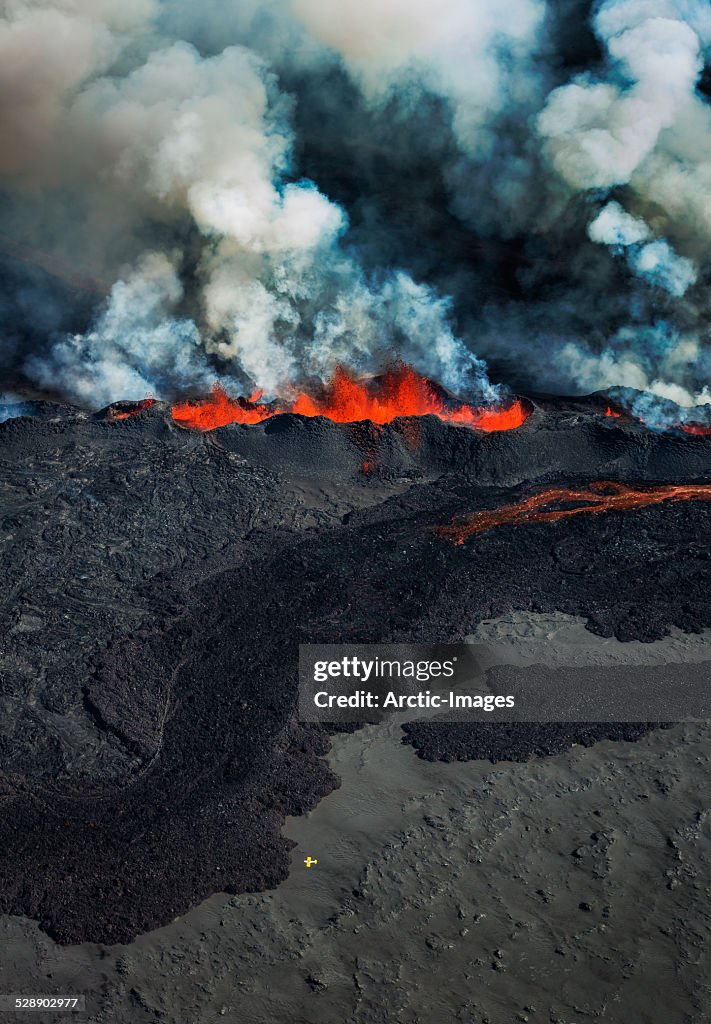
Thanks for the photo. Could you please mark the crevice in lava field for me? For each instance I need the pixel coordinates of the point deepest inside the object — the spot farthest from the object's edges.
(168, 578)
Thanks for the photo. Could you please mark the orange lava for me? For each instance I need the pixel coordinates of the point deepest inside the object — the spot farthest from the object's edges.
(612, 412)
(698, 429)
(399, 392)
(489, 419)
(600, 496)
(219, 409)
(124, 414)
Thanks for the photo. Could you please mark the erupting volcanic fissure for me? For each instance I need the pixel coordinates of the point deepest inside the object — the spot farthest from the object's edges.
(597, 497)
(401, 391)
(219, 409)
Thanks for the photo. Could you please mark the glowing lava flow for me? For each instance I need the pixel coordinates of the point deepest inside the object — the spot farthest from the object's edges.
(399, 392)
(598, 497)
(219, 409)
(698, 429)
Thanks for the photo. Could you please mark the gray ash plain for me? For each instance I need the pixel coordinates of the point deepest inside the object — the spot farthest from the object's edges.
(566, 889)
(159, 581)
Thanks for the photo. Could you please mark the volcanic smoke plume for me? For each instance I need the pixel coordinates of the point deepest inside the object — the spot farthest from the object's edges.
(253, 196)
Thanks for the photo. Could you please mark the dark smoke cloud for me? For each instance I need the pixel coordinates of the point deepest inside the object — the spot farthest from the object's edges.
(254, 193)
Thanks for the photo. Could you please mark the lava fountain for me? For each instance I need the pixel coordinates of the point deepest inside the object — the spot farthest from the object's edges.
(401, 391)
(598, 497)
(218, 409)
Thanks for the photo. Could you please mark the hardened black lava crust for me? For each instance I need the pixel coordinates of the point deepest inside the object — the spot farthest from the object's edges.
(159, 582)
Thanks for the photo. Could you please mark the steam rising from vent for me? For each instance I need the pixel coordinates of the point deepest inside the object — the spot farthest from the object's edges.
(655, 261)
(11, 407)
(252, 196)
(136, 346)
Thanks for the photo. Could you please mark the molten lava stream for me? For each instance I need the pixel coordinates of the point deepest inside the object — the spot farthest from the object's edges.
(598, 497)
(401, 391)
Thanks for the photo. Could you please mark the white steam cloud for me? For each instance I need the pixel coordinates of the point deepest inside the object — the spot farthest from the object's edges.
(652, 369)
(185, 142)
(138, 347)
(598, 133)
(474, 55)
(655, 261)
(154, 150)
(645, 127)
(616, 228)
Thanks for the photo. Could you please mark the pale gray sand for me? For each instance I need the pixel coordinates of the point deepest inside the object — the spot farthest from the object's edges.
(558, 639)
(565, 890)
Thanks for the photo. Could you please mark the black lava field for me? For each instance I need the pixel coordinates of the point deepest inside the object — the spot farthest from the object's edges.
(158, 582)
